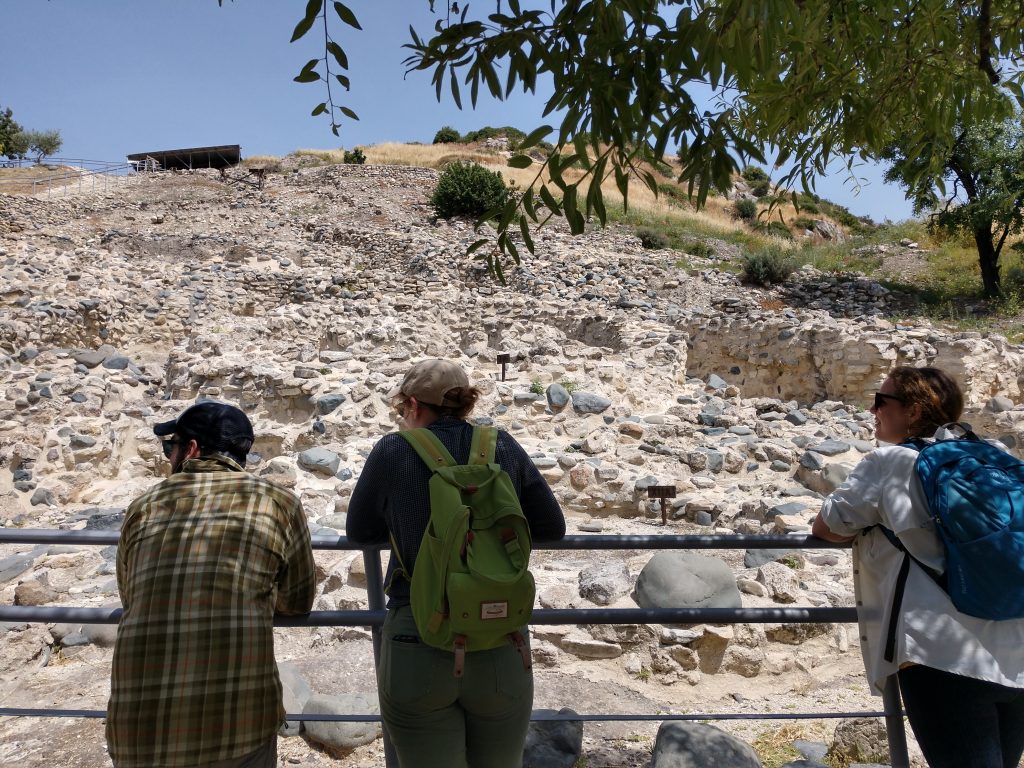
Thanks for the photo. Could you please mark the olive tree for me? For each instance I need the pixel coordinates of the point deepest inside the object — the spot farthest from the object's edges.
(979, 190)
(43, 143)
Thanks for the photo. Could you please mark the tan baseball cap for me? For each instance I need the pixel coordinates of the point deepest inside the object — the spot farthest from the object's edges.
(430, 380)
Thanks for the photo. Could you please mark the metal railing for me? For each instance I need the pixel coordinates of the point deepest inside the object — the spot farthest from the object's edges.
(374, 618)
(93, 175)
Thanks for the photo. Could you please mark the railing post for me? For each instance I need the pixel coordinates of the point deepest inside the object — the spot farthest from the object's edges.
(375, 597)
(894, 728)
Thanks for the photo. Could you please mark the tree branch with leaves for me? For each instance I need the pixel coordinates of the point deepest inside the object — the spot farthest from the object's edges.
(727, 81)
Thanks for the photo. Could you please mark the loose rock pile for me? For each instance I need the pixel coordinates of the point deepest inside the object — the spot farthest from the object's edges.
(305, 302)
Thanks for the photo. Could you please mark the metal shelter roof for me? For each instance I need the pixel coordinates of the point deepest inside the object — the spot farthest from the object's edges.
(196, 157)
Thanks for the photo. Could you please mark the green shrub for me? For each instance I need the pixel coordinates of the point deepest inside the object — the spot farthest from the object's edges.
(514, 135)
(754, 174)
(355, 157)
(468, 189)
(700, 249)
(761, 188)
(652, 238)
(447, 135)
(776, 228)
(802, 222)
(673, 193)
(768, 266)
(807, 203)
(664, 169)
(746, 210)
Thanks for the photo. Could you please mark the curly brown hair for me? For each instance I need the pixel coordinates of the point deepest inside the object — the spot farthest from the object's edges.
(465, 396)
(934, 391)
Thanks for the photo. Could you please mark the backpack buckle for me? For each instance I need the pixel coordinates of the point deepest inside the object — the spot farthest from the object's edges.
(524, 652)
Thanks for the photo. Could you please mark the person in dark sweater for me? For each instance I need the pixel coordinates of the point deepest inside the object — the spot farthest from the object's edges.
(478, 720)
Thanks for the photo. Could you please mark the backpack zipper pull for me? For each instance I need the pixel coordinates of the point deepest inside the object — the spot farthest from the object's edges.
(465, 544)
(460, 655)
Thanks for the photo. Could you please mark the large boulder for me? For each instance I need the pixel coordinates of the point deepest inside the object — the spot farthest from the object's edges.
(340, 738)
(553, 743)
(695, 745)
(604, 583)
(296, 692)
(320, 461)
(588, 402)
(860, 740)
(686, 580)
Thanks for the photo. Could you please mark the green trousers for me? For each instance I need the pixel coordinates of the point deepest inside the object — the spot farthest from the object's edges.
(436, 720)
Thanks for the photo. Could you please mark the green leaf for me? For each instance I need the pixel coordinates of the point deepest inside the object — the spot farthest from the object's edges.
(572, 212)
(535, 136)
(346, 15)
(622, 182)
(339, 55)
(510, 248)
(343, 79)
(308, 73)
(455, 92)
(312, 9)
(477, 244)
(549, 200)
(520, 161)
(555, 171)
(319, 109)
(524, 229)
(349, 113)
(528, 206)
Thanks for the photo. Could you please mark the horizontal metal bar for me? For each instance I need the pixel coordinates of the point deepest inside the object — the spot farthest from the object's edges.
(544, 616)
(598, 541)
(536, 717)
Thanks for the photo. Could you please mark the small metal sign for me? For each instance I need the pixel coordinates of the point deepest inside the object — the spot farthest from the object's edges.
(662, 492)
(503, 359)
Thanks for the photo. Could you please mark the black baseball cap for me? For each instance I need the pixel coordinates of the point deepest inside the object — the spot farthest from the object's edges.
(212, 424)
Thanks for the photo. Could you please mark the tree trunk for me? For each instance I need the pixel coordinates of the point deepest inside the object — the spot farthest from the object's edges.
(988, 259)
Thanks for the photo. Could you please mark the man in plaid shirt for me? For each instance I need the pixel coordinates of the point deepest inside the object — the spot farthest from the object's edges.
(205, 560)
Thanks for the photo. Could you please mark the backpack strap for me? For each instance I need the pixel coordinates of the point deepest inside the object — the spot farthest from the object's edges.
(901, 585)
(429, 448)
(485, 443)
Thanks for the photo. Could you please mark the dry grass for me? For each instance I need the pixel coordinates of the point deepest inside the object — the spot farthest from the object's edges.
(775, 745)
(716, 215)
(326, 156)
(269, 162)
(19, 181)
(430, 155)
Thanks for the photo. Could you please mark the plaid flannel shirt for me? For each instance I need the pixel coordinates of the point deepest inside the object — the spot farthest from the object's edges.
(205, 559)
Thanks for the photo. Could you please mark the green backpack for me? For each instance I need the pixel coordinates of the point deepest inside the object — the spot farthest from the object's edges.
(471, 588)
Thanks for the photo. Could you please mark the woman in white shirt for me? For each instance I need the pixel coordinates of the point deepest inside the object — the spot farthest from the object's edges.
(962, 678)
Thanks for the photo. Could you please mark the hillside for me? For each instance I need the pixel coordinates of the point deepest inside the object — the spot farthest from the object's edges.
(305, 301)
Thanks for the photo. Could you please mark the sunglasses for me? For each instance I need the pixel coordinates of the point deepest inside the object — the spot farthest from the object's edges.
(880, 399)
(168, 446)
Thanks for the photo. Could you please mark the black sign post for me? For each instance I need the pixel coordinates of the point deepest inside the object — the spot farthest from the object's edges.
(503, 359)
(662, 492)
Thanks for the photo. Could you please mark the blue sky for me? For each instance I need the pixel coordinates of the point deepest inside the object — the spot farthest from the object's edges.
(124, 76)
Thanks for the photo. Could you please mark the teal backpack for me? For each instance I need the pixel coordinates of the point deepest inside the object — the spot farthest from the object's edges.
(975, 494)
(471, 588)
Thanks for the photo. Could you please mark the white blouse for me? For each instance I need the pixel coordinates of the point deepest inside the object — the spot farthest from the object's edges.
(884, 489)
